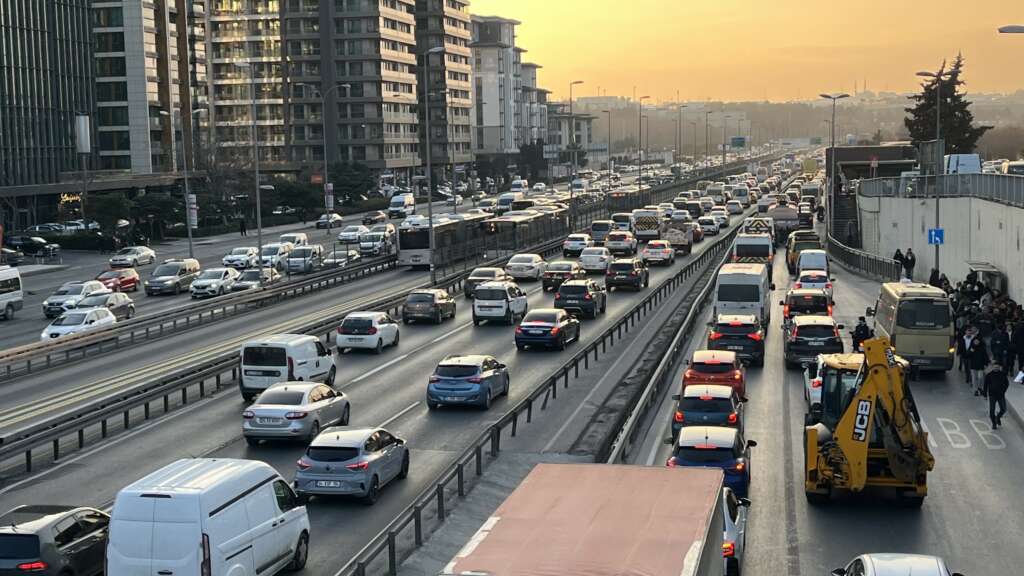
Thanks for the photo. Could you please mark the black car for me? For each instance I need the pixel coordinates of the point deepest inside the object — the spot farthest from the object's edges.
(481, 275)
(740, 333)
(548, 327)
(32, 245)
(562, 271)
(805, 302)
(47, 539)
(627, 272)
(585, 297)
(808, 336)
(119, 304)
(707, 405)
(11, 256)
(377, 217)
(428, 304)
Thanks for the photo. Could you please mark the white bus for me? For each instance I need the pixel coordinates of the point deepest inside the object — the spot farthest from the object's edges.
(449, 230)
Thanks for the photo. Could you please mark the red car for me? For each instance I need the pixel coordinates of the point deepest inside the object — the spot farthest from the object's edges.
(716, 367)
(120, 280)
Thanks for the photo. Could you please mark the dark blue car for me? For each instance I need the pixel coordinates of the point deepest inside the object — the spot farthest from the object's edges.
(715, 447)
(471, 380)
(547, 327)
(707, 405)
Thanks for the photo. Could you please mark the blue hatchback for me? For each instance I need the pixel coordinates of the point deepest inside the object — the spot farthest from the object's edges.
(473, 380)
(715, 447)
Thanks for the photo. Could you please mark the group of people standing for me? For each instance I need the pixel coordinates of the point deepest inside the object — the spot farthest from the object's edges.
(908, 260)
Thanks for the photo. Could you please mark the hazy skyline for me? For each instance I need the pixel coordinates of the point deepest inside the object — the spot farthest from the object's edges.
(746, 50)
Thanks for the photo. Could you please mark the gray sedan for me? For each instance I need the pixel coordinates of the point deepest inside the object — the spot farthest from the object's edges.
(351, 463)
(294, 410)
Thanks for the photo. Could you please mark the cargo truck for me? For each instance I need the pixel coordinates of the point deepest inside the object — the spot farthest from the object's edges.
(607, 519)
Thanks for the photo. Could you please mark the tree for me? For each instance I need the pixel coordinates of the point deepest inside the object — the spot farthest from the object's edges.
(107, 209)
(351, 181)
(957, 121)
(531, 160)
(1003, 142)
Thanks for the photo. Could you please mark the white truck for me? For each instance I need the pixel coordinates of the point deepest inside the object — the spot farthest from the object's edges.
(579, 519)
(647, 224)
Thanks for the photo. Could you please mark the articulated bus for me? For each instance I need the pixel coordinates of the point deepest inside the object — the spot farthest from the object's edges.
(449, 230)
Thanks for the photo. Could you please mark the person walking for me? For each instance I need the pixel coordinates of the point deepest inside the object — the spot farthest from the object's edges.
(996, 383)
(1016, 348)
(977, 360)
(933, 278)
(898, 257)
(999, 344)
(963, 347)
(241, 227)
(909, 261)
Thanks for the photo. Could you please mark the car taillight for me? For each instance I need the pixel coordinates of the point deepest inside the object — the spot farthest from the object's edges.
(678, 416)
(295, 415)
(735, 258)
(372, 330)
(37, 566)
(302, 464)
(835, 332)
(555, 330)
(798, 285)
(248, 415)
(733, 418)
(557, 295)
(755, 336)
(728, 549)
(715, 336)
(568, 275)
(291, 368)
(358, 466)
(206, 568)
(519, 329)
(588, 296)
(828, 285)
(671, 462)
(816, 383)
(785, 311)
(737, 375)
(688, 374)
(474, 379)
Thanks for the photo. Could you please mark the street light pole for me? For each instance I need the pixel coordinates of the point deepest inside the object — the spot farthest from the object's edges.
(572, 145)
(833, 177)
(256, 165)
(185, 159)
(639, 141)
(938, 77)
(707, 139)
(609, 113)
(430, 185)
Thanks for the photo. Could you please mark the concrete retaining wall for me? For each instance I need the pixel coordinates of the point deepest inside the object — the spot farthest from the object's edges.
(974, 230)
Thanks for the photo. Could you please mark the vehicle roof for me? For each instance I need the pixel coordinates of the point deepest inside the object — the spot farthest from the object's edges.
(712, 390)
(497, 284)
(365, 314)
(812, 272)
(463, 360)
(814, 320)
(905, 564)
(575, 282)
(714, 357)
(431, 291)
(915, 290)
(718, 436)
(571, 518)
(742, 318)
(339, 437)
(759, 236)
(295, 386)
(743, 268)
(215, 480)
(30, 518)
(279, 339)
(813, 252)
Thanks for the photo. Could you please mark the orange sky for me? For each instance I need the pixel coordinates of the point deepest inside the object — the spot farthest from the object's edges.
(761, 49)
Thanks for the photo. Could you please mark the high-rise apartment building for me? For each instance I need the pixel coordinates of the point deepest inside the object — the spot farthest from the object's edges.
(449, 88)
(496, 84)
(533, 107)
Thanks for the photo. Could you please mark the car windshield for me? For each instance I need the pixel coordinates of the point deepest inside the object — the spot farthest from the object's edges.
(301, 253)
(715, 368)
(250, 276)
(68, 289)
(480, 273)
(240, 251)
(617, 237)
(331, 453)
(126, 251)
(578, 238)
(166, 270)
(19, 546)
(351, 229)
(924, 314)
(490, 294)
(70, 320)
(592, 252)
(706, 404)
(455, 371)
(422, 298)
(545, 317)
(374, 237)
(704, 455)
(706, 220)
(621, 267)
(109, 274)
(264, 356)
(211, 275)
(92, 301)
(282, 397)
(735, 329)
(600, 226)
(271, 250)
(808, 303)
(801, 245)
(813, 279)
(739, 293)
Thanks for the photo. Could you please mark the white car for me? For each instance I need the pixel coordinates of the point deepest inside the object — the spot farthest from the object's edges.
(499, 300)
(595, 259)
(242, 257)
(274, 255)
(708, 225)
(721, 217)
(133, 256)
(540, 187)
(621, 242)
(454, 200)
(659, 251)
(815, 279)
(734, 207)
(351, 234)
(523, 266)
(213, 282)
(367, 331)
(895, 565)
(734, 530)
(77, 321)
(575, 244)
(667, 208)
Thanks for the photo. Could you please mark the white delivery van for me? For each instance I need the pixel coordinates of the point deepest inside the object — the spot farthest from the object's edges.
(623, 221)
(295, 238)
(647, 224)
(963, 163)
(207, 517)
(744, 289)
(402, 205)
(754, 249)
(284, 358)
(11, 295)
(812, 260)
(519, 185)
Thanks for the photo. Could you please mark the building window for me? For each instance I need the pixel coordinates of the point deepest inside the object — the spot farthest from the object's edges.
(110, 66)
(115, 141)
(115, 162)
(112, 116)
(109, 42)
(107, 17)
(112, 91)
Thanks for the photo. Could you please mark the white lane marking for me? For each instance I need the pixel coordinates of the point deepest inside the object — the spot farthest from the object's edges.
(399, 415)
(445, 335)
(381, 367)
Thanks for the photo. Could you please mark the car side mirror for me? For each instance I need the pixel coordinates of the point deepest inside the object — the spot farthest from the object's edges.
(744, 502)
(782, 302)
(676, 396)
(91, 322)
(744, 399)
(399, 441)
(751, 443)
(771, 286)
(502, 366)
(840, 326)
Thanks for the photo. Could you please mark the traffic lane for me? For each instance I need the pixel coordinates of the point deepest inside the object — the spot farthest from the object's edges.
(104, 373)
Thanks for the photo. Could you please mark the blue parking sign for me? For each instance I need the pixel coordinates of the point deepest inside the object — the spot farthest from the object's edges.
(936, 236)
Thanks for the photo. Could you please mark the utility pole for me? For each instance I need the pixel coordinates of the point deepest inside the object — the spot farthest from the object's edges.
(939, 77)
(639, 142)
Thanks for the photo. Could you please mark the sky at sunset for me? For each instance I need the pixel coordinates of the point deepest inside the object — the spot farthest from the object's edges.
(761, 49)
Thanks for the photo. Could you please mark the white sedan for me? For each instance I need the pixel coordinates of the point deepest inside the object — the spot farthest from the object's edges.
(659, 251)
(351, 234)
(576, 243)
(241, 257)
(708, 225)
(721, 217)
(77, 321)
(133, 256)
(367, 330)
(734, 207)
(523, 266)
(815, 279)
(595, 259)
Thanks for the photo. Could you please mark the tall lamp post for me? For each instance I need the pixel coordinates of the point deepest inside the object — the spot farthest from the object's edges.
(938, 77)
(609, 113)
(639, 140)
(248, 67)
(832, 164)
(185, 161)
(693, 132)
(679, 125)
(572, 144)
(323, 123)
(707, 139)
(725, 122)
(430, 184)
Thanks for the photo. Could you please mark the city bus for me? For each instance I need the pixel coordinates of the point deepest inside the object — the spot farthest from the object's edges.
(450, 230)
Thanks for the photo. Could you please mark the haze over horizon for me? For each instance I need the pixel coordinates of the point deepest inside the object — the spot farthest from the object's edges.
(735, 50)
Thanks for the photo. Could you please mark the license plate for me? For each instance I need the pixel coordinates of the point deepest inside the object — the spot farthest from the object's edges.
(268, 420)
(536, 332)
(815, 343)
(451, 398)
(734, 347)
(328, 484)
(355, 339)
(572, 301)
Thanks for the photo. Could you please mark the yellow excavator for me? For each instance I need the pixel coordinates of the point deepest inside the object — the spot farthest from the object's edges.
(869, 435)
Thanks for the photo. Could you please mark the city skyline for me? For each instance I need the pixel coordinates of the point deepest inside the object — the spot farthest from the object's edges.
(803, 53)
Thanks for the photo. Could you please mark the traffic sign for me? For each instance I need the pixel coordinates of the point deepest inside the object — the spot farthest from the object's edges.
(936, 236)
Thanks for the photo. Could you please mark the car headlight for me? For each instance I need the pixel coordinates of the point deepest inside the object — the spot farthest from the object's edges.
(46, 302)
(168, 282)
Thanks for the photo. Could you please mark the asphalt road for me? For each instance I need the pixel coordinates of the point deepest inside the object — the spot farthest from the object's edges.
(967, 518)
(384, 390)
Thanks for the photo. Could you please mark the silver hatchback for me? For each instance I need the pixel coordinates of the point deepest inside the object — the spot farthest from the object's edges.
(294, 410)
(351, 463)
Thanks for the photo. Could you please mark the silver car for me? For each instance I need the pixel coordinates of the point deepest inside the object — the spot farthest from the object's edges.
(895, 565)
(294, 410)
(133, 256)
(351, 463)
(734, 541)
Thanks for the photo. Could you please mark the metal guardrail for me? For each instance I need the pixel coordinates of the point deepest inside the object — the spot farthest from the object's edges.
(38, 356)
(1002, 188)
(863, 262)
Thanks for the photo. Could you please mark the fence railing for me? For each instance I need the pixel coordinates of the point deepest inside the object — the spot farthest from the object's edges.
(863, 262)
(1002, 188)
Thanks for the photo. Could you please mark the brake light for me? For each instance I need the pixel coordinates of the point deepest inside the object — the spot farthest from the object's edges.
(714, 336)
(678, 416)
(739, 467)
(816, 383)
(555, 330)
(737, 375)
(835, 332)
(291, 368)
(829, 309)
(557, 295)
(735, 323)
(735, 258)
(358, 466)
(688, 374)
(37, 566)
(302, 464)
(248, 415)
(519, 329)
(828, 285)
(206, 568)
(474, 379)
(755, 336)
(798, 285)
(785, 310)
(295, 415)
(728, 549)
(372, 330)
(733, 418)
(671, 462)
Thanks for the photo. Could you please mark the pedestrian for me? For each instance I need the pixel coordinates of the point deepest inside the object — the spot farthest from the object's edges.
(977, 360)
(963, 347)
(898, 257)
(909, 260)
(933, 278)
(241, 227)
(999, 343)
(996, 383)
(1016, 356)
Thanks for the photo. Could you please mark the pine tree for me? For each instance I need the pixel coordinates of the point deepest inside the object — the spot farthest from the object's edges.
(957, 122)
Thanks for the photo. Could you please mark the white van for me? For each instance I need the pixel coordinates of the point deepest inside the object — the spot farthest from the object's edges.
(402, 205)
(295, 238)
(744, 289)
(284, 358)
(962, 163)
(521, 186)
(754, 249)
(11, 295)
(505, 201)
(812, 260)
(208, 517)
